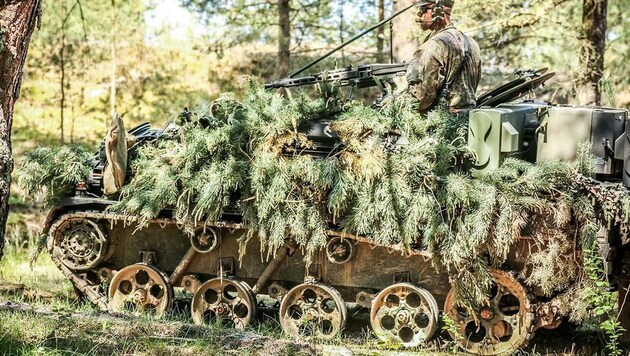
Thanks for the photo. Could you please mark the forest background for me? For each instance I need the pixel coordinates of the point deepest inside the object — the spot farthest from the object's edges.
(148, 60)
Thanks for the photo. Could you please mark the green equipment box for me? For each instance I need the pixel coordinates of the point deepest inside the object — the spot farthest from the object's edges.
(566, 127)
(507, 130)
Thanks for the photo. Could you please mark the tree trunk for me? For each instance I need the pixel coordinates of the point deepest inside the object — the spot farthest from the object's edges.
(17, 21)
(380, 33)
(284, 39)
(341, 4)
(406, 32)
(592, 56)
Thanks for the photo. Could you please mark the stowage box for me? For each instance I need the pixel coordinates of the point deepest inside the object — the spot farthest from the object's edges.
(508, 130)
(566, 127)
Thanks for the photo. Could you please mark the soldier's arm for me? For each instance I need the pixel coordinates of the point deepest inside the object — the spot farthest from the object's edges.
(425, 76)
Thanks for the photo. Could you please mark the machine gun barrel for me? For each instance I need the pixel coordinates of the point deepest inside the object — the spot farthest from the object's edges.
(368, 30)
(364, 76)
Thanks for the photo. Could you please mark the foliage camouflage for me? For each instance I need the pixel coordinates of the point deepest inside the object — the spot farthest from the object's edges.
(245, 154)
(54, 171)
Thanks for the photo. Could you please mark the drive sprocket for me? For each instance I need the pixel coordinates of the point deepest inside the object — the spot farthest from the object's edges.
(80, 244)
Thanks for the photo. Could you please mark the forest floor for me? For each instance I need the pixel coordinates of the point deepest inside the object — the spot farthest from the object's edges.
(39, 314)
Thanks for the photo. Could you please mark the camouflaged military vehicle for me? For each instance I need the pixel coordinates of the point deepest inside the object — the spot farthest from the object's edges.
(119, 265)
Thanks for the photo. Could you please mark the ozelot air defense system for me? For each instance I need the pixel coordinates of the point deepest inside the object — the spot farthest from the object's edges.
(536, 132)
(119, 264)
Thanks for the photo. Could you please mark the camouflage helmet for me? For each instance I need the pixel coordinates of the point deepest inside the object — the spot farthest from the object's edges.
(445, 3)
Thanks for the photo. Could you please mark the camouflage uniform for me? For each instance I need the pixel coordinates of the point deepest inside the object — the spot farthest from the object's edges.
(437, 62)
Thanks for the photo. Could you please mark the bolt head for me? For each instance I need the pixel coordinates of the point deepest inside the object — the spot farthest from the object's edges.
(486, 314)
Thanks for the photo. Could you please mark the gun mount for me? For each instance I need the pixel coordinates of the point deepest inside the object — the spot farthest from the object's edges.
(364, 76)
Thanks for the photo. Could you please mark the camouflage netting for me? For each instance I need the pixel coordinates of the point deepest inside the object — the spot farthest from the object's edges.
(246, 154)
(54, 171)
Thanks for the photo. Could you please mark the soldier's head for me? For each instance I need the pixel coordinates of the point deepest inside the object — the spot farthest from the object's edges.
(434, 14)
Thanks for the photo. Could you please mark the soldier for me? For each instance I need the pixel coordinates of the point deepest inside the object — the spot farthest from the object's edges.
(447, 65)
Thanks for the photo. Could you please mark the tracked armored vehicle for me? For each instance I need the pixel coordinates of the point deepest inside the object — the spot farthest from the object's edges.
(122, 264)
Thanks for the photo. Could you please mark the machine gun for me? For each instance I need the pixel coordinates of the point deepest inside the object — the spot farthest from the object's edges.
(325, 141)
(364, 76)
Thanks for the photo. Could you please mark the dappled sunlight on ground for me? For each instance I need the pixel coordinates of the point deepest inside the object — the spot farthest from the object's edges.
(15, 268)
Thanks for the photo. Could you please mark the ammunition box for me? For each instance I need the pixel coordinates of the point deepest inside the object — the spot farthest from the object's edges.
(495, 134)
(562, 131)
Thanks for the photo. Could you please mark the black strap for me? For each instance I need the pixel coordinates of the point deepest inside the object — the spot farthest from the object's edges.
(444, 92)
(464, 61)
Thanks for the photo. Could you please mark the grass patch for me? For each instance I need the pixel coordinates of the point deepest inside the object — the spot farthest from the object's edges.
(24, 334)
(15, 268)
(92, 334)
